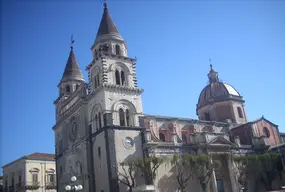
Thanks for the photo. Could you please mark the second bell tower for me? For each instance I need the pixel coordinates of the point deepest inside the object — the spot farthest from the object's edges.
(112, 77)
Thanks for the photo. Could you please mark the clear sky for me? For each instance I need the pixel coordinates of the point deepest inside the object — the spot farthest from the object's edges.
(172, 40)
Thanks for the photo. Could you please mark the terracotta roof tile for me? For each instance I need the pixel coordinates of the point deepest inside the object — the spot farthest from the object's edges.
(43, 156)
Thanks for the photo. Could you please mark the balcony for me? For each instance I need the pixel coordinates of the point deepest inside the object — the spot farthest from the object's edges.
(50, 185)
(32, 185)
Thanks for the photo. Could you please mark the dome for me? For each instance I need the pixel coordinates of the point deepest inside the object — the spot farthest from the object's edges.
(217, 91)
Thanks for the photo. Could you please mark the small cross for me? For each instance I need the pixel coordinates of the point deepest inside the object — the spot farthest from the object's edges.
(72, 40)
(210, 60)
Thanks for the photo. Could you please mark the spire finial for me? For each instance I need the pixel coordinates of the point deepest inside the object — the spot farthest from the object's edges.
(211, 66)
(71, 42)
(105, 4)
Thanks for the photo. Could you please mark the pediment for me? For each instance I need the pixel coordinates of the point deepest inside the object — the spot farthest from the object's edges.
(220, 141)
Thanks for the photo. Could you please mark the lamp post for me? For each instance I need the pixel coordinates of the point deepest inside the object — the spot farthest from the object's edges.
(73, 187)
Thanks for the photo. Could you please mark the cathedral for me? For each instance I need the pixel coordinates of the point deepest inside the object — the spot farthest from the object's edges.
(100, 123)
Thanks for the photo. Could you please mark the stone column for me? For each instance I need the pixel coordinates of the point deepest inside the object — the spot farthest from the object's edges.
(213, 179)
(234, 186)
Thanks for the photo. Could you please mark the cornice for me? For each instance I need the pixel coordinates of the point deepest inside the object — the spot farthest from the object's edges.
(123, 89)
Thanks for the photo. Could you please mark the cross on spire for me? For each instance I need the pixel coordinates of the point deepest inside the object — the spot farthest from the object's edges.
(71, 42)
(211, 66)
(105, 4)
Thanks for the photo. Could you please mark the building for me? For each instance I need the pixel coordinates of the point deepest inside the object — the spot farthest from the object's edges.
(34, 172)
(282, 137)
(1, 183)
(101, 123)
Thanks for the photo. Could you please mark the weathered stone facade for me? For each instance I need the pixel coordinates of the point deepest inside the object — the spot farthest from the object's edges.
(101, 123)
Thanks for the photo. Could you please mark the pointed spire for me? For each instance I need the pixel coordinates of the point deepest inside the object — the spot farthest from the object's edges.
(107, 26)
(72, 70)
(213, 75)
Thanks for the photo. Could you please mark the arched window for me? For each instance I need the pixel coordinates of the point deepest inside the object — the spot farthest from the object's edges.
(123, 78)
(98, 80)
(128, 117)
(207, 116)
(184, 138)
(239, 112)
(76, 86)
(161, 137)
(122, 117)
(99, 119)
(118, 49)
(99, 152)
(266, 132)
(67, 89)
(95, 82)
(117, 76)
(96, 122)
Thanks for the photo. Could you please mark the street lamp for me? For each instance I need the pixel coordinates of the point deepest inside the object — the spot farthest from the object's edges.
(73, 187)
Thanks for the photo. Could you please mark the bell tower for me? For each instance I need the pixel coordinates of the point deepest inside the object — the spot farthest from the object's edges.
(112, 77)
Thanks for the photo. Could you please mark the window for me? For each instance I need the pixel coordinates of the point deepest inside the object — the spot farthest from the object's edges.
(266, 132)
(118, 49)
(98, 80)
(99, 152)
(184, 138)
(207, 116)
(76, 87)
(13, 182)
(162, 137)
(123, 78)
(99, 119)
(96, 122)
(35, 177)
(117, 76)
(67, 89)
(95, 82)
(128, 117)
(19, 179)
(122, 117)
(51, 178)
(239, 112)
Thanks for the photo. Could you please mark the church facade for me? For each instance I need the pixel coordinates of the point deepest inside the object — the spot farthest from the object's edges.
(101, 123)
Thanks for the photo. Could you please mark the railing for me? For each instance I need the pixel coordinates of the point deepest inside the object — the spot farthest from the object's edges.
(51, 185)
(32, 185)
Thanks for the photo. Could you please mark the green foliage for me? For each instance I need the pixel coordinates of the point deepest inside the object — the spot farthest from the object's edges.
(149, 165)
(199, 166)
(130, 168)
(182, 173)
(265, 167)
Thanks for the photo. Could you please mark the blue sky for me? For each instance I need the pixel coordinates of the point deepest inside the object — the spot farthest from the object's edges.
(172, 40)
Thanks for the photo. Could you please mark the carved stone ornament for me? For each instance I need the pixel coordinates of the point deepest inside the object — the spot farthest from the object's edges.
(73, 132)
(128, 142)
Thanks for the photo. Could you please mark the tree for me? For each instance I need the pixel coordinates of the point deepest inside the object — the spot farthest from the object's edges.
(202, 167)
(270, 168)
(182, 173)
(265, 167)
(127, 174)
(242, 164)
(149, 166)
(129, 170)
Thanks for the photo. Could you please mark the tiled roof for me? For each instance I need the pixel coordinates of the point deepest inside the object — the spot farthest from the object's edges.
(35, 156)
(41, 156)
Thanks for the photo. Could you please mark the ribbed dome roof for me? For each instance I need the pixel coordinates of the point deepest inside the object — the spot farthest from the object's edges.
(217, 91)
